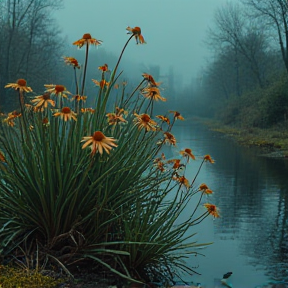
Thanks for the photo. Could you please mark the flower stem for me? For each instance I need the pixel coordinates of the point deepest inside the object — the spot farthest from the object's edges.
(77, 91)
(85, 69)
(118, 62)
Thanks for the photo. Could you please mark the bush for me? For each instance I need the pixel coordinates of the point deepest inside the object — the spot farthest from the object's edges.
(116, 204)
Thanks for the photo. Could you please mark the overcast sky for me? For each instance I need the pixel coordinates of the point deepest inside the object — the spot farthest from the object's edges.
(173, 29)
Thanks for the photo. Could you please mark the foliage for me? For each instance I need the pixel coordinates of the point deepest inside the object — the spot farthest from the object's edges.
(117, 205)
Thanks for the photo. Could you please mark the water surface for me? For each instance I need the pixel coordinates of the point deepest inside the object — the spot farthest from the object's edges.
(251, 236)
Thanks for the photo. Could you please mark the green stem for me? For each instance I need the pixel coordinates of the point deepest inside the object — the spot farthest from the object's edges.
(128, 99)
(85, 69)
(77, 91)
(197, 173)
(118, 62)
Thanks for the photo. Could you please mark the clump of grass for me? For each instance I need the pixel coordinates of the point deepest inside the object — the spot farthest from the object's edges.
(93, 190)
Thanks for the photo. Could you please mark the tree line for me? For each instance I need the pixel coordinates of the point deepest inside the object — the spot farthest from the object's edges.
(245, 80)
(30, 45)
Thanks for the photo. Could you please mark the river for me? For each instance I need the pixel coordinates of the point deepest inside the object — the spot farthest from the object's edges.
(250, 238)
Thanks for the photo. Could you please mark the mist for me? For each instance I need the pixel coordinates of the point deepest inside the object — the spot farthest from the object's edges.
(174, 32)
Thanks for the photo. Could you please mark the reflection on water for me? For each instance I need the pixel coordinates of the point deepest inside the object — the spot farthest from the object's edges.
(251, 237)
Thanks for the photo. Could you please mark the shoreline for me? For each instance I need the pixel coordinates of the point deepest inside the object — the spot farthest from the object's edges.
(272, 142)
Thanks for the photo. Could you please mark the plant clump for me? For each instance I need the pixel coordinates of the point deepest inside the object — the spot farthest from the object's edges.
(113, 208)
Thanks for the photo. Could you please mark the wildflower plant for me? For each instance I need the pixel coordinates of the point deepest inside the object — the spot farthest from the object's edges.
(87, 184)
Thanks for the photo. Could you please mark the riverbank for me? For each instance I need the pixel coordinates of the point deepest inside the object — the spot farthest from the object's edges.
(273, 142)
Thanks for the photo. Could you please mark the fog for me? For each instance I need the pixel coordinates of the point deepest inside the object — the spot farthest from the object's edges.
(174, 31)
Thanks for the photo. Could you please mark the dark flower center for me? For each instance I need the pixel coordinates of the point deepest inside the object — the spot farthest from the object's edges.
(66, 110)
(98, 136)
(21, 82)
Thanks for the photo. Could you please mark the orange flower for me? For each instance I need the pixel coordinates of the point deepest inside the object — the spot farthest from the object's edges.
(187, 153)
(176, 163)
(66, 114)
(45, 121)
(183, 181)
(163, 118)
(103, 68)
(79, 98)
(212, 209)
(102, 83)
(10, 118)
(152, 93)
(169, 138)
(144, 121)
(203, 187)
(160, 166)
(114, 118)
(150, 79)
(88, 40)
(98, 141)
(71, 61)
(85, 110)
(2, 157)
(42, 101)
(136, 31)
(209, 159)
(20, 85)
(177, 115)
(58, 90)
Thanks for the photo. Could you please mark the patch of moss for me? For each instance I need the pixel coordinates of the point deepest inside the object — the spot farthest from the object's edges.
(11, 277)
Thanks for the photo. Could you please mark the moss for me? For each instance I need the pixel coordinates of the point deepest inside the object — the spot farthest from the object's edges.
(11, 277)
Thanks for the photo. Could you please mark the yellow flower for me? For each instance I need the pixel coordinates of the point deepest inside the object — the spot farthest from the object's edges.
(169, 138)
(163, 118)
(20, 85)
(102, 83)
(71, 61)
(177, 115)
(209, 159)
(42, 101)
(144, 121)
(58, 90)
(136, 31)
(187, 153)
(66, 114)
(212, 209)
(88, 40)
(97, 142)
(152, 93)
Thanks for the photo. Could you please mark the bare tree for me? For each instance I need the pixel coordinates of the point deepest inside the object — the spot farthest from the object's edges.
(274, 15)
(234, 29)
(29, 43)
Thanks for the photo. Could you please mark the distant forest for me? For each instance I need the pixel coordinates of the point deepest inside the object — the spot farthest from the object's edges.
(245, 82)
